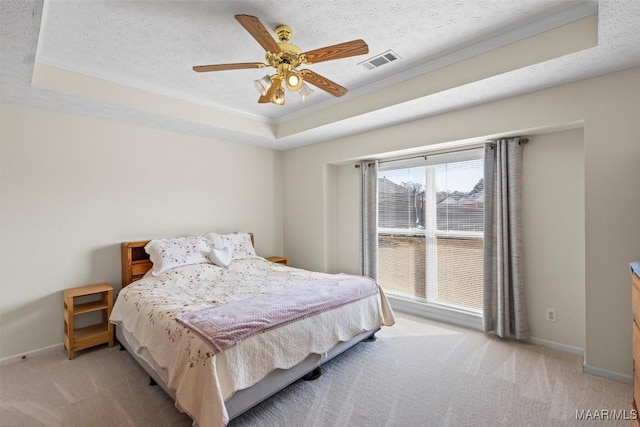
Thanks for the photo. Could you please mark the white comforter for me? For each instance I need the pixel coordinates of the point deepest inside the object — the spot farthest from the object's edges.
(202, 380)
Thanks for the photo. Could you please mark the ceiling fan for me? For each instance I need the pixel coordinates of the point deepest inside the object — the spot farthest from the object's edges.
(286, 57)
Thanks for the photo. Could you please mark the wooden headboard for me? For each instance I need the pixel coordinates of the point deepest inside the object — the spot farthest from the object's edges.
(136, 262)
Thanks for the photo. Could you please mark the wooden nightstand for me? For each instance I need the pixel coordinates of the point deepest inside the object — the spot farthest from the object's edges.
(80, 338)
(278, 260)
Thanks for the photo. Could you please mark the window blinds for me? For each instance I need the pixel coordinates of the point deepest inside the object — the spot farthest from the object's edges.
(430, 227)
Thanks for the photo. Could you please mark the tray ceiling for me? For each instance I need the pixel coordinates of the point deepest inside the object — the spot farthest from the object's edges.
(131, 60)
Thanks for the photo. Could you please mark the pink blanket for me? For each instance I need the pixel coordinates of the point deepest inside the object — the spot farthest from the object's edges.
(226, 325)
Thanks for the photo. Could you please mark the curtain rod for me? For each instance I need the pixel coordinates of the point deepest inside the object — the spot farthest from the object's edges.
(432, 153)
(522, 140)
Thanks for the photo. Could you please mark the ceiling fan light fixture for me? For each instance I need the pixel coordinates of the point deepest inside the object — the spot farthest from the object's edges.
(278, 96)
(263, 84)
(294, 80)
(305, 91)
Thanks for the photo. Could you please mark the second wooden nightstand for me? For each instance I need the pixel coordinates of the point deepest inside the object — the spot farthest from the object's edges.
(278, 260)
(80, 338)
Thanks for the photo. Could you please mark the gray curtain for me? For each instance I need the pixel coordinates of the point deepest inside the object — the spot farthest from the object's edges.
(369, 220)
(504, 310)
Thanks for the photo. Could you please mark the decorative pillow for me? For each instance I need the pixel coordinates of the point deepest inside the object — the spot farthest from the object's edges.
(215, 240)
(166, 254)
(220, 257)
(239, 244)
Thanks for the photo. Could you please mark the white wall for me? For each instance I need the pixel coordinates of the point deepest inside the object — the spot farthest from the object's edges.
(553, 236)
(607, 108)
(73, 188)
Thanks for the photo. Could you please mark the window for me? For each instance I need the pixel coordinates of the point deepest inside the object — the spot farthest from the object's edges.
(430, 228)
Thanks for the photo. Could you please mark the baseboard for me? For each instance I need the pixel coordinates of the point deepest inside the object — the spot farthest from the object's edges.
(558, 346)
(33, 353)
(603, 373)
(592, 370)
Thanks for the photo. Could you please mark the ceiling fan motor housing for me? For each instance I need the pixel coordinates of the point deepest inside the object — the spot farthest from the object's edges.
(289, 58)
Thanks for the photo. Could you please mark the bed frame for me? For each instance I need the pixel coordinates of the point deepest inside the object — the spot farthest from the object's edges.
(136, 262)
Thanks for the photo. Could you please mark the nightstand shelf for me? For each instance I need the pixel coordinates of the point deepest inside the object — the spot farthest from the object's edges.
(278, 260)
(88, 336)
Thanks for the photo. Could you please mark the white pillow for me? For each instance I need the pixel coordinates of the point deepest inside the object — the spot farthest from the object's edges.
(166, 254)
(215, 240)
(220, 257)
(238, 243)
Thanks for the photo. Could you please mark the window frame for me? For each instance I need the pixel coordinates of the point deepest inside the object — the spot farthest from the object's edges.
(468, 315)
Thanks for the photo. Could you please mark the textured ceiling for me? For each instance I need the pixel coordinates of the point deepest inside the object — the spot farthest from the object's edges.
(148, 47)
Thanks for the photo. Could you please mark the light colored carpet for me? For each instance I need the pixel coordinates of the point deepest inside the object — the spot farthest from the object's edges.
(418, 373)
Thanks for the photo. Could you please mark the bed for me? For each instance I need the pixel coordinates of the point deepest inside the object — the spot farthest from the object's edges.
(183, 313)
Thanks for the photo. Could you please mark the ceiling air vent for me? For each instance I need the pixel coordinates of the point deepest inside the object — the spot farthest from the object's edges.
(379, 60)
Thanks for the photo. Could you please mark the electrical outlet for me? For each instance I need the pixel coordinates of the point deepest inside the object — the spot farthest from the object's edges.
(550, 315)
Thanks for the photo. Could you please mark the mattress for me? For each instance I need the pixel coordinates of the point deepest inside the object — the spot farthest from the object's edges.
(202, 380)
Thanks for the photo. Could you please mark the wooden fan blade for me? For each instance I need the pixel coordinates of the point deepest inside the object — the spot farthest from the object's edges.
(222, 67)
(267, 97)
(259, 32)
(323, 83)
(337, 51)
